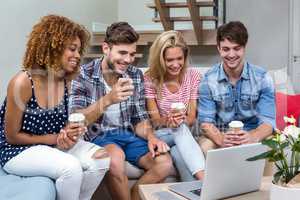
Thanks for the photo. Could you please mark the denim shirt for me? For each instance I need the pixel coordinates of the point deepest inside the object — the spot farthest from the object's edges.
(251, 100)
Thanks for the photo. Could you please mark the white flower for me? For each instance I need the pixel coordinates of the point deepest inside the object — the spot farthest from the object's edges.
(291, 120)
(282, 138)
(291, 130)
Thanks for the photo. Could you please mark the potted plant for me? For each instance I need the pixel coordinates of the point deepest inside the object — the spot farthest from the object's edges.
(284, 152)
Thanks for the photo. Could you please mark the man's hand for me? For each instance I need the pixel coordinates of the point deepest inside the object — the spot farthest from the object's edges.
(156, 146)
(121, 91)
(232, 138)
(246, 137)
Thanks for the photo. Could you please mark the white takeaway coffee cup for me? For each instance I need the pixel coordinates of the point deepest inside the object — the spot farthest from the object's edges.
(178, 106)
(77, 118)
(236, 126)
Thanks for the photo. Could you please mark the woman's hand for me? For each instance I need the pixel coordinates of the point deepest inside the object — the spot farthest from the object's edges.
(175, 118)
(75, 130)
(69, 135)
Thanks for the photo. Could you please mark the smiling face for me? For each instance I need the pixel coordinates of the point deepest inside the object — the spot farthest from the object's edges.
(174, 61)
(119, 57)
(71, 57)
(232, 55)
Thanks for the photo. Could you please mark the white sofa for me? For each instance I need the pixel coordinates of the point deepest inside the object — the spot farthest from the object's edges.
(282, 83)
(133, 172)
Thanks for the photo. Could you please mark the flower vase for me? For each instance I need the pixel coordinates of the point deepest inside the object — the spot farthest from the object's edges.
(284, 193)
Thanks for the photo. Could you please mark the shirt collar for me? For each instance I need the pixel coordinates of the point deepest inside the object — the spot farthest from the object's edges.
(245, 73)
(97, 68)
(222, 75)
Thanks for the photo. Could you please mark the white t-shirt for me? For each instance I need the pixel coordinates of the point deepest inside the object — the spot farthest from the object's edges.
(112, 115)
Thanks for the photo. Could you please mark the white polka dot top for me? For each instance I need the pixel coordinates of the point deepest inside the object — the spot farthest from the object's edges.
(36, 120)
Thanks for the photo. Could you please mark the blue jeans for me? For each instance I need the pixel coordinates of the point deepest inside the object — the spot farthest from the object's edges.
(185, 151)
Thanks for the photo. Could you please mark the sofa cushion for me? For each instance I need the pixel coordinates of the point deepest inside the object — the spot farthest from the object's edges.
(18, 188)
(286, 105)
(2, 173)
(133, 172)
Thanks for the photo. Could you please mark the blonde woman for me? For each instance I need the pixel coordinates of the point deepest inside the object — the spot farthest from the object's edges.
(170, 82)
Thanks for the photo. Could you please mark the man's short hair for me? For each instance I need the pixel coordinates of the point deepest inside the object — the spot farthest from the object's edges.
(120, 33)
(234, 31)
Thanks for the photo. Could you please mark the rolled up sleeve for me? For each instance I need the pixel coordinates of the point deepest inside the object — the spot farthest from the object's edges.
(139, 112)
(266, 108)
(206, 105)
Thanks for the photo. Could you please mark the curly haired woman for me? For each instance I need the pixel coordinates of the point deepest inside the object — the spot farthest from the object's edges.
(170, 82)
(35, 139)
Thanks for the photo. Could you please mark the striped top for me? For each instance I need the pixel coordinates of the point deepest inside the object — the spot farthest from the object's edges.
(188, 91)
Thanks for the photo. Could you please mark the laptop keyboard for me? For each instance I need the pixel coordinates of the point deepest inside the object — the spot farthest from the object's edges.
(196, 192)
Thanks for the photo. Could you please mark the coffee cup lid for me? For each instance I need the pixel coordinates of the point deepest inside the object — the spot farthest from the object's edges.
(178, 105)
(236, 124)
(76, 117)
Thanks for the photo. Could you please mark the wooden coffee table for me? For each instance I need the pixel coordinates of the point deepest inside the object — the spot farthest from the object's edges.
(147, 191)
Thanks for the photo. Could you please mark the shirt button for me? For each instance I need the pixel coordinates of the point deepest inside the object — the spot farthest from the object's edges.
(235, 100)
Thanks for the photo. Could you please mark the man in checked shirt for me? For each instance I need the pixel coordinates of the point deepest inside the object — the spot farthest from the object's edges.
(110, 93)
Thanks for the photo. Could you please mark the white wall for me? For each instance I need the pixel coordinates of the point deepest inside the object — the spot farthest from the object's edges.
(17, 18)
(295, 43)
(268, 25)
(140, 15)
(267, 22)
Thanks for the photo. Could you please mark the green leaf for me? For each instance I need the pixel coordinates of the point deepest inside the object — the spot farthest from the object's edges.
(277, 176)
(284, 145)
(291, 139)
(296, 147)
(264, 155)
(277, 156)
(270, 143)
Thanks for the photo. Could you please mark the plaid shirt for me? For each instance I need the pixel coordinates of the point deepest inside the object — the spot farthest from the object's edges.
(89, 87)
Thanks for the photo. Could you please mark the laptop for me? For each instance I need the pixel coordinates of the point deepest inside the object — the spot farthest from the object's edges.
(227, 174)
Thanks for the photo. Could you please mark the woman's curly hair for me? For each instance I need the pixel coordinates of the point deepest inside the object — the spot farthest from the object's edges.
(48, 40)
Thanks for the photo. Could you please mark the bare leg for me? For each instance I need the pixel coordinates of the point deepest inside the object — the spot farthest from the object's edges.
(116, 178)
(157, 170)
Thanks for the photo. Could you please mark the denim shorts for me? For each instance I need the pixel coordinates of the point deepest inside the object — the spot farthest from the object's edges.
(133, 146)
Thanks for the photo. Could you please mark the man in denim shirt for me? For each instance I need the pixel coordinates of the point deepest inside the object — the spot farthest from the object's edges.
(235, 90)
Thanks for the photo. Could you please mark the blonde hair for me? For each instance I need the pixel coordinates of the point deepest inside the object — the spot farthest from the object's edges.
(156, 62)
